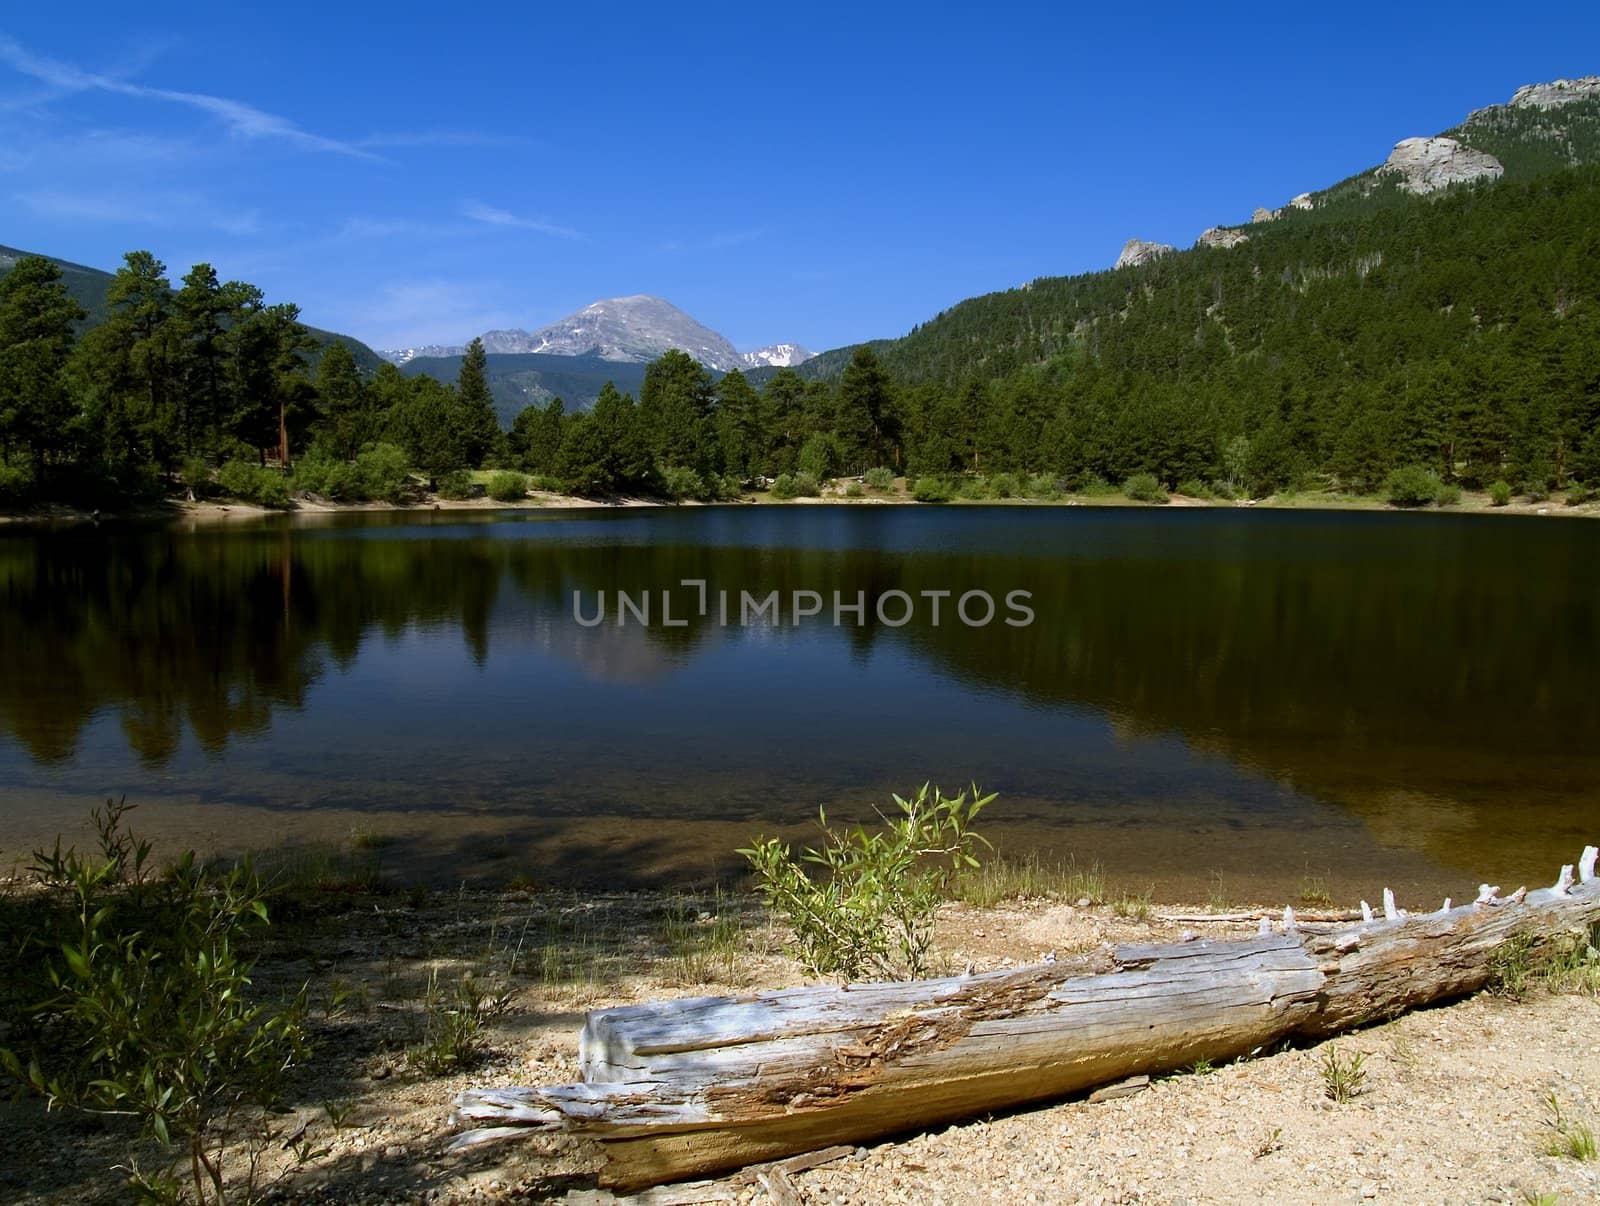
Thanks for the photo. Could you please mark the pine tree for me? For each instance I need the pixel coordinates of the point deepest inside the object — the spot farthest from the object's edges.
(479, 425)
(347, 418)
(37, 317)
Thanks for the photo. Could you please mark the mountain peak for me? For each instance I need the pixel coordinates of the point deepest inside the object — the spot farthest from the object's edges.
(637, 328)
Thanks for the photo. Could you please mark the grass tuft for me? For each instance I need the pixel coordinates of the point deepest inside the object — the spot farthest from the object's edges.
(1344, 1077)
(1029, 878)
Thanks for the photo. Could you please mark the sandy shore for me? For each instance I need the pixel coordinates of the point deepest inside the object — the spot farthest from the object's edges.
(177, 510)
(1453, 1109)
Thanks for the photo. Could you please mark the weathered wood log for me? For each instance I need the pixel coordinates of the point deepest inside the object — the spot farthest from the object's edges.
(680, 1088)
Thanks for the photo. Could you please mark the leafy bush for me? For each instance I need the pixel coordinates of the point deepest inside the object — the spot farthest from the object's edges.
(1143, 487)
(1411, 486)
(880, 479)
(196, 476)
(128, 995)
(543, 481)
(975, 488)
(794, 485)
(1095, 486)
(16, 482)
(1447, 495)
(458, 484)
(1005, 485)
(680, 482)
(854, 490)
(1042, 485)
(1577, 494)
(1500, 494)
(383, 471)
(329, 478)
(1194, 488)
(1224, 490)
(932, 490)
(871, 910)
(253, 483)
(506, 486)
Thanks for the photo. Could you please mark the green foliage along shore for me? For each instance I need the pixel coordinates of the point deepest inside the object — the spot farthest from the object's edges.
(1453, 341)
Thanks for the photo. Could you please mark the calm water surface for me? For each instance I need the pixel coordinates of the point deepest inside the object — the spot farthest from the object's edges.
(1252, 696)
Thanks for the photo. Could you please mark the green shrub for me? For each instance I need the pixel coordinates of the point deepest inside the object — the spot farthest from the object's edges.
(543, 481)
(1095, 486)
(680, 482)
(1577, 494)
(880, 479)
(254, 484)
(1500, 494)
(1447, 495)
(196, 476)
(334, 479)
(1143, 487)
(1224, 490)
(854, 490)
(974, 487)
(383, 471)
(1411, 486)
(1042, 485)
(1005, 485)
(871, 909)
(1195, 488)
(506, 486)
(457, 484)
(135, 1000)
(16, 482)
(932, 490)
(783, 486)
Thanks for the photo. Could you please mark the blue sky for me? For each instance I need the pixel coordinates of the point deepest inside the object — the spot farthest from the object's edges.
(814, 173)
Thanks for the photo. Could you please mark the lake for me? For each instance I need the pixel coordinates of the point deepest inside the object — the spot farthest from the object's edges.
(1208, 702)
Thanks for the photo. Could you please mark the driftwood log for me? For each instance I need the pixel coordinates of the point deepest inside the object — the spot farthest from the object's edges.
(674, 1089)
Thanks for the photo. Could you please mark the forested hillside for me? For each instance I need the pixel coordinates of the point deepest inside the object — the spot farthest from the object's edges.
(89, 286)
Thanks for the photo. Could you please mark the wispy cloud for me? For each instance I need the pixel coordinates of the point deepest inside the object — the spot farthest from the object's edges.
(717, 241)
(240, 119)
(414, 312)
(401, 139)
(489, 215)
(121, 208)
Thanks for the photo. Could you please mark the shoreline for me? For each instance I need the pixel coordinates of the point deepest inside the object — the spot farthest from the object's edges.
(218, 511)
(379, 1122)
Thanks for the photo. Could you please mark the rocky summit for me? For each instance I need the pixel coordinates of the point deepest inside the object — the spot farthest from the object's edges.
(1141, 251)
(1555, 93)
(1221, 236)
(1425, 165)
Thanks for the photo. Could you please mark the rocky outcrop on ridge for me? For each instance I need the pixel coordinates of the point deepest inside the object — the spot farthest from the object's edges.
(1140, 251)
(1556, 92)
(1426, 165)
(1221, 236)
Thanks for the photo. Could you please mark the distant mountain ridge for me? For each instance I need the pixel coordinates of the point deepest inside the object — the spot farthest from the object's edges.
(628, 330)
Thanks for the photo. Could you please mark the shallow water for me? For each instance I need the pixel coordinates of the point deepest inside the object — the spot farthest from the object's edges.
(1260, 696)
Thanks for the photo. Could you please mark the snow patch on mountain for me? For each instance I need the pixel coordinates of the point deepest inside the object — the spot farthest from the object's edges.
(777, 355)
